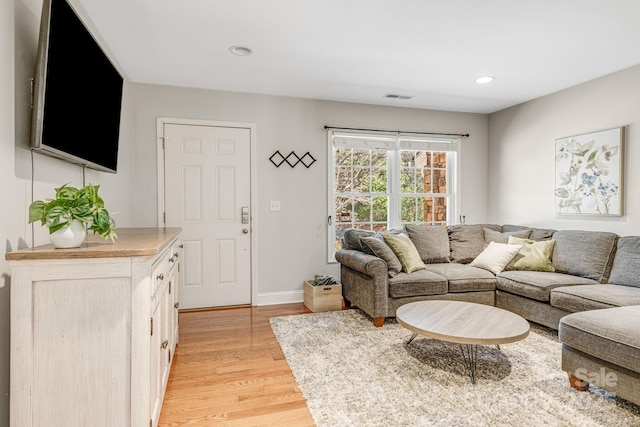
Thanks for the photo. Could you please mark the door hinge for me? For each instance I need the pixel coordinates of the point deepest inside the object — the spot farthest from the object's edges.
(164, 217)
(163, 141)
(170, 286)
(152, 326)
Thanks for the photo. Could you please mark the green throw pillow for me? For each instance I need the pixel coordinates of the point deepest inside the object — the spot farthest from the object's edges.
(533, 256)
(406, 252)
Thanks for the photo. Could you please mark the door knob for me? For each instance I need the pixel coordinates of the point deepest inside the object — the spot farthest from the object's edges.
(245, 230)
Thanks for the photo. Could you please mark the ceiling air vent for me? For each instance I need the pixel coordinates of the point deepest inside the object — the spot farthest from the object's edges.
(396, 96)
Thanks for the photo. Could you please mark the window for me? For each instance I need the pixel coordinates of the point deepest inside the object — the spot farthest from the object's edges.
(381, 181)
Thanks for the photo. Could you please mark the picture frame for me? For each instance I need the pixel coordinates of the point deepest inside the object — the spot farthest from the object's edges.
(589, 173)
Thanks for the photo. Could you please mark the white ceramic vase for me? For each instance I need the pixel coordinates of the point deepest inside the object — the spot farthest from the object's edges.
(70, 236)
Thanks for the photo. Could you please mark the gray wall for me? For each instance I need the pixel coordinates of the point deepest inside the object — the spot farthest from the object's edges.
(292, 243)
(522, 152)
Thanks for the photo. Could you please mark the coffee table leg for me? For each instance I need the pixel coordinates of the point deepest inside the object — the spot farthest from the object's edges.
(413, 336)
(470, 358)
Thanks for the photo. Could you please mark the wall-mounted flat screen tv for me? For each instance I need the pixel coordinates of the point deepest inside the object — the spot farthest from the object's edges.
(77, 93)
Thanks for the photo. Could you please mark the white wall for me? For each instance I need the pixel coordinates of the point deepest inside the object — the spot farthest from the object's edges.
(12, 191)
(522, 152)
(19, 24)
(292, 243)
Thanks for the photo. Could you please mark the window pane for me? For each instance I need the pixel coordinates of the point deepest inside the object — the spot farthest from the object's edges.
(407, 159)
(340, 228)
(343, 156)
(439, 160)
(427, 209)
(408, 209)
(407, 180)
(440, 209)
(440, 181)
(362, 157)
(343, 180)
(379, 158)
(362, 209)
(423, 183)
(361, 180)
(362, 226)
(343, 209)
(378, 180)
(423, 159)
(420, 210)
(380, 209)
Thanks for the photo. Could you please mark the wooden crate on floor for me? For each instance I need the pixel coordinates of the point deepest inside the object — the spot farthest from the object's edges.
(322, 298)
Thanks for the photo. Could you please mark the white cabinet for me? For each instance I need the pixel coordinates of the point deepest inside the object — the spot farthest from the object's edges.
(164, 324)
(82, 348)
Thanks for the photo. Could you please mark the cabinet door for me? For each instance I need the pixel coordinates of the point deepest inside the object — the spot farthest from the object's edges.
(156, 364)
(175, 300)
(165, 347)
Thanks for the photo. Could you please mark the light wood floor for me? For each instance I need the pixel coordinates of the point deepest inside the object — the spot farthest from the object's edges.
(228, 370)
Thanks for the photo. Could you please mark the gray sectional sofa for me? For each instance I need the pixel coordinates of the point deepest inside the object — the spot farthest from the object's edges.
(590, 290)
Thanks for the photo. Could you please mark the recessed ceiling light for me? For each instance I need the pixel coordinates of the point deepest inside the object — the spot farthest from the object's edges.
(240, 50)
(396, 96)
(485, 79)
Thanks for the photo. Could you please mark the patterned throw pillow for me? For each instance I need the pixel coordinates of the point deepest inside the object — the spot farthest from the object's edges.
(533, 256)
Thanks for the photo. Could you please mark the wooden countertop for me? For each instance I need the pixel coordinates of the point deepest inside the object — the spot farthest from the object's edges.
(130, 242)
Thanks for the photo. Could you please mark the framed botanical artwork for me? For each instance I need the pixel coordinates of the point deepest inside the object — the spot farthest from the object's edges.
(589, 173)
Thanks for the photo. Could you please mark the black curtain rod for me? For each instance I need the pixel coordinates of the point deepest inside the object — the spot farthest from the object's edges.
(463, 135)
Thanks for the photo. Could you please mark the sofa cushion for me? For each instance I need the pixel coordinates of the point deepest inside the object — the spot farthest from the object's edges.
(375, 245)
(537, 285)
(464, 278)
(432, 242)
(421, 282)
(536, 233)
(610, 334)
(466, 242)
(351, 238)
(626, 264)
(594, 297)
(495, 257)
(533, 256)
(405, 250)
(584, 253)
(503, 237)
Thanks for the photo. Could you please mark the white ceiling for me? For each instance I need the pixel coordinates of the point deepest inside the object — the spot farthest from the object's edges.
(359, 50)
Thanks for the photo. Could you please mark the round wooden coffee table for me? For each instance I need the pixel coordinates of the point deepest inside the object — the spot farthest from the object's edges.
(465, 323)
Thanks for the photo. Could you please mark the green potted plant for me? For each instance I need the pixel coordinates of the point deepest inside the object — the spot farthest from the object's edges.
(73, 211)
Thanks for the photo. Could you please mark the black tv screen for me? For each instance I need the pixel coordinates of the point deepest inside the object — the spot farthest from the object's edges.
(77, 93)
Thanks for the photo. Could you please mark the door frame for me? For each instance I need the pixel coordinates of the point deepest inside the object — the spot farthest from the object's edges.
(160, 122)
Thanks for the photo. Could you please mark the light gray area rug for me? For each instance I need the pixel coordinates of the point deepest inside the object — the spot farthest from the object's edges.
(354, 374)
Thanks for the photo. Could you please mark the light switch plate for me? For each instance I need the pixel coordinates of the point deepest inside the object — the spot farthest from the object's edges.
(274, 205)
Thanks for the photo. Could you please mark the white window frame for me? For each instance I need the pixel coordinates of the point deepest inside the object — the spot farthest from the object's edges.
(394, 143)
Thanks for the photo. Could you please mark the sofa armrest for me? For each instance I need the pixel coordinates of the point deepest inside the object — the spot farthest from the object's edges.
(364, 263)
(365, 283)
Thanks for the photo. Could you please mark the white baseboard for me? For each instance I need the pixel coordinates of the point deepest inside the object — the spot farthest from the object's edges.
(285, 297)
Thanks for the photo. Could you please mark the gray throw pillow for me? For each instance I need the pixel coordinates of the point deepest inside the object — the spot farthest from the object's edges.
(626, 263)
(432, 242)
(466, 242)
(375, 245)
(498, 237)
(352, 238)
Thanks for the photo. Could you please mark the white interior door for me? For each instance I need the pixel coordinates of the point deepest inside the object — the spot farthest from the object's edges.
(208, 194)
